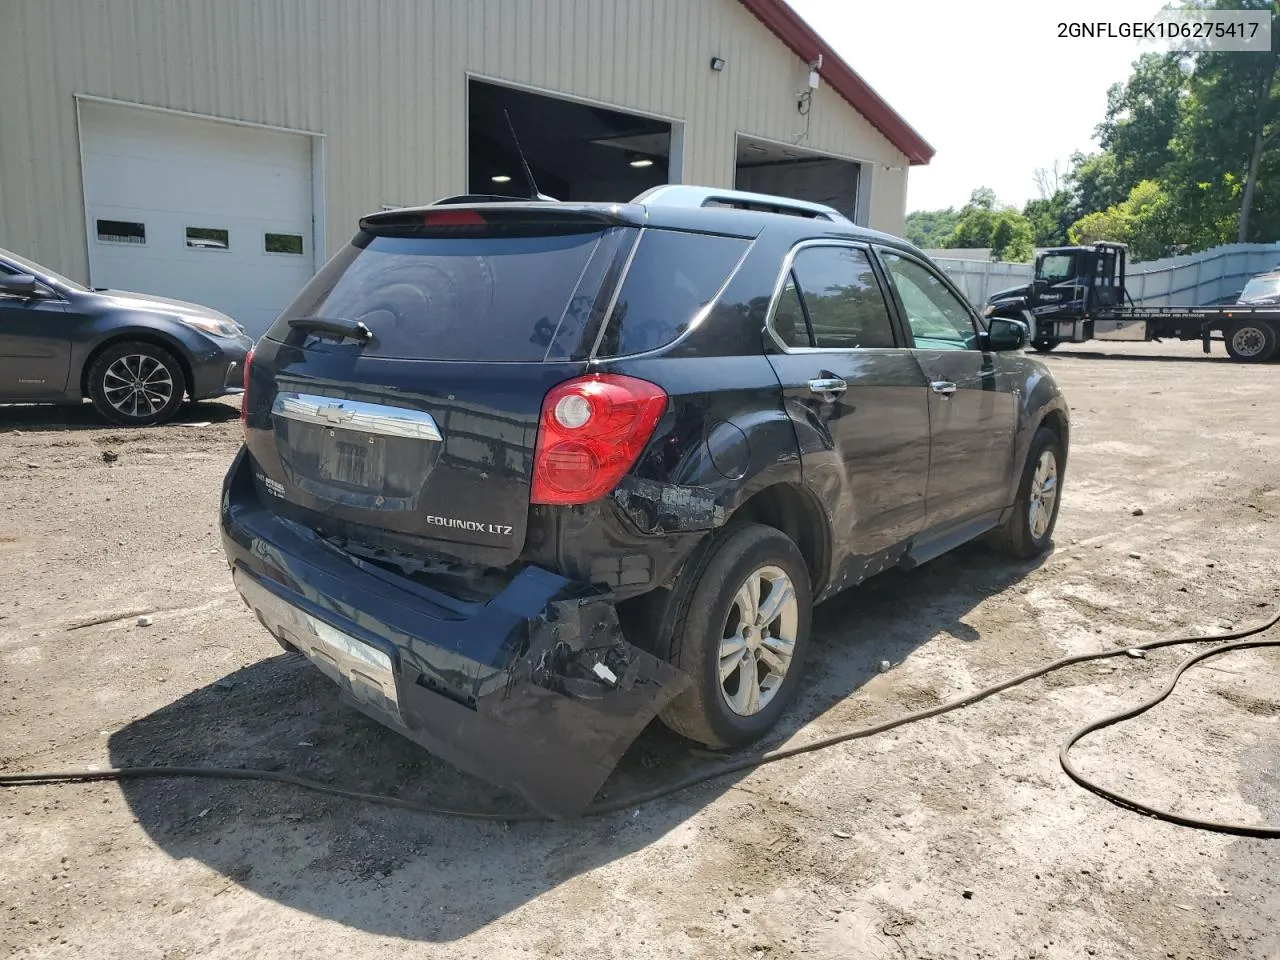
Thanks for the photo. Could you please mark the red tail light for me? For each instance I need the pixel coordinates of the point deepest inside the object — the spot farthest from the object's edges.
(453, 218)
(244, 397)
(590, 433)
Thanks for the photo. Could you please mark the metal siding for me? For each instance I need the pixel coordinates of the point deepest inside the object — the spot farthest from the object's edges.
(385, 82)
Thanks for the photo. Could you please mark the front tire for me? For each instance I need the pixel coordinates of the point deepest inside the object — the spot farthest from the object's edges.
(136, 383)
(742, 638)
(1029, 530)
(1251, 341)
(1043, 346)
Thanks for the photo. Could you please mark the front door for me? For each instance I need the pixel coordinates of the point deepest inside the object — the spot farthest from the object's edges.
(972, 409)
(858, 400)
(35, 346)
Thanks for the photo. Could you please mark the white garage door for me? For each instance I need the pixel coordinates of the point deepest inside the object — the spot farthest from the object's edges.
(210, 212)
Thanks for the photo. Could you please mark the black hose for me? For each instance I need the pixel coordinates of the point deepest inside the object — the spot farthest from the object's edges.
(760, 759)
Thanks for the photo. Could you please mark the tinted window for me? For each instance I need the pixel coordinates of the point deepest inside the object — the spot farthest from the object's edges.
(842, 298)
(459, 298)
(671, 278)
(282, 243)
(788, 318)
(938, 320)
(122, 231)
(208, 238)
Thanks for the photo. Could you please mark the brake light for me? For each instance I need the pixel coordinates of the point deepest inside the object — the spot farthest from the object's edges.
(453, 218)
(244, 397)
(590, 433)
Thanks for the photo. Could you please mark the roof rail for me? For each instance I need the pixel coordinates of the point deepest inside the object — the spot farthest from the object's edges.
(686, 195)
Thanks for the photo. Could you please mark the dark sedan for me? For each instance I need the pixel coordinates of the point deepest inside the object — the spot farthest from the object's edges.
(136, 357)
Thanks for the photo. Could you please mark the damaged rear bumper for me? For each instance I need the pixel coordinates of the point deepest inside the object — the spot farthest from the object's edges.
(534, 690)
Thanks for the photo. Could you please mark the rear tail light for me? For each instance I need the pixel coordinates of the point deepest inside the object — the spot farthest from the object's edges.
(244, 397)
(591, 431)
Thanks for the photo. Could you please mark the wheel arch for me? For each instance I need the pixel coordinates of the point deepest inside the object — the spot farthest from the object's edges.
(794, 511)
(136, 336)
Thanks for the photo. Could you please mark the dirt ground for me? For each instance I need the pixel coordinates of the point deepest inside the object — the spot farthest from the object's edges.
(957, 837)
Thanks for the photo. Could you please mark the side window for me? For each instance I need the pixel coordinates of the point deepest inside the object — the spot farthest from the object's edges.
(938, 320)
(788, 318)
(842, 299)
(672, 276)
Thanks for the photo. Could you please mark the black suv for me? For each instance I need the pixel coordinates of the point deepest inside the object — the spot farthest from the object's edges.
(521, 476)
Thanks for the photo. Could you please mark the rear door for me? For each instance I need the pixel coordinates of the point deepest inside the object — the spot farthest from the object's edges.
(857, 397)
(972, 410)
(422, 437)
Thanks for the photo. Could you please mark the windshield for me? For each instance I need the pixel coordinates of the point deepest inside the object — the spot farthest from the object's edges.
(1056, 267)
(1261, 288)
(39, 271)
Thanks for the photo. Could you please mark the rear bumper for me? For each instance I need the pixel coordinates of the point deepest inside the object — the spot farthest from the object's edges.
(534, 690)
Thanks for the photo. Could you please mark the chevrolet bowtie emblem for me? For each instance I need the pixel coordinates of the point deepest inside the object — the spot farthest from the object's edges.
(336, 413)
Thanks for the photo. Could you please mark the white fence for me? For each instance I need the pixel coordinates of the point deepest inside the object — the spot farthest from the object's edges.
(1196, 279)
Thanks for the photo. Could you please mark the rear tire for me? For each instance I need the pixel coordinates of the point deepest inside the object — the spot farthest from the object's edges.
(1251, 341)
(738, 693)
(1029, 530)
(136, 383)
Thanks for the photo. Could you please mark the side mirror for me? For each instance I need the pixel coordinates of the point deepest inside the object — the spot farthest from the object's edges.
(1006, 334)
(20, 285)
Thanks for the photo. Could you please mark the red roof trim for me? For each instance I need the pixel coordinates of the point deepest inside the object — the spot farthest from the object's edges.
(801, 38)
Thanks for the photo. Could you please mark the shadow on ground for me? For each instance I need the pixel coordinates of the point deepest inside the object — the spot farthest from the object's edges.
(85, 417)
(1135, 357)
(423, 877)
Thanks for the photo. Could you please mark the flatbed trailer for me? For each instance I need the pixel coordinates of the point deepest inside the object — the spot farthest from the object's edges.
(1078, 294)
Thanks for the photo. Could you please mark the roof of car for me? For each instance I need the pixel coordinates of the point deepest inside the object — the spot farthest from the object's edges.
(723, 220)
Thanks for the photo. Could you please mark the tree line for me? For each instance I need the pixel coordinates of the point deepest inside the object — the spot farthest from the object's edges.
(1189, 159)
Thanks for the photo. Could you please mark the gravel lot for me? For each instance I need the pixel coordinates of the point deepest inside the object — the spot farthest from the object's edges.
(957, 837)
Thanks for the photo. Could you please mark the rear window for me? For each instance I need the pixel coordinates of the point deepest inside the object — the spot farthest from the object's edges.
(497, 298)
(671, 278)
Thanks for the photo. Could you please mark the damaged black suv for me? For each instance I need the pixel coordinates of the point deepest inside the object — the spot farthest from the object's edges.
(522, 476)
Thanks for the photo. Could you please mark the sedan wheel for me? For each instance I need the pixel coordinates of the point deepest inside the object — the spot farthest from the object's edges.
(137, 385)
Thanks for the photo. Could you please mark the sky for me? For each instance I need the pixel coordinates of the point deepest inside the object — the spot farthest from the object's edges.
(988, 83)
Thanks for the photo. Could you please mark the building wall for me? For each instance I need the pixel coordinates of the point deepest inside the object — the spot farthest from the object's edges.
(385, 83)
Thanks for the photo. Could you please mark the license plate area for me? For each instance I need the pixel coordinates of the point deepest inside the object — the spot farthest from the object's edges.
(352, 459)
(366, 672)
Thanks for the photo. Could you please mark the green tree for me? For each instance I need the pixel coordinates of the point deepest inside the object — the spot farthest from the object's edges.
(983, 197)
(1147, 221)
(974, 228)
(1226, 166)
(929, 229)
(1051, 217)
(1011, 238)
(1141, 119)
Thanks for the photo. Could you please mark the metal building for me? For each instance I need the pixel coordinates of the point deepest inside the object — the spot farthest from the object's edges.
(221, 150)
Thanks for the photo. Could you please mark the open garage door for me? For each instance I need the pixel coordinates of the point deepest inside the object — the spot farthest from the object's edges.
(767, 167)
(215, 213)
(576, 152)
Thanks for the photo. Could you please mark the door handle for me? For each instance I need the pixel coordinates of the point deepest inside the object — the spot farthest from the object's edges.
(944, 387)
(828, 387)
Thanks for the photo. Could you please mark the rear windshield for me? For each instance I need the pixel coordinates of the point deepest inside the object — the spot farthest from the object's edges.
(496, 298)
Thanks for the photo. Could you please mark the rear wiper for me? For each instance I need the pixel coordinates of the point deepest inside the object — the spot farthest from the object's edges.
(334, 327)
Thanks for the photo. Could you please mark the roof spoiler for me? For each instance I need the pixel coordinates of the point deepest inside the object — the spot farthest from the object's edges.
(686, 195)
